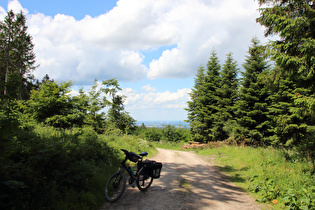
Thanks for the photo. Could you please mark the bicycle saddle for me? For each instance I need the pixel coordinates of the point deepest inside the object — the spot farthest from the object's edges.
(143, 154)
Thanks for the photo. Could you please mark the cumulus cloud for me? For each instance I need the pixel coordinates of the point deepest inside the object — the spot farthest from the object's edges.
(156, 105)
(112, 45)
(151, 98)
(2, 13)
(13, 5)
(16, 7)
(226, 26)
(64, 51)
(148, 88)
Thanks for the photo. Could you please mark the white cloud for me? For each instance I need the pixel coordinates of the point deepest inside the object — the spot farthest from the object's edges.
(221, 25)
(156, 105)
(13, 5)
(110, 45)
(65, 53)
(2, 13)
(16, 7)
(151, 99)
(148, 88)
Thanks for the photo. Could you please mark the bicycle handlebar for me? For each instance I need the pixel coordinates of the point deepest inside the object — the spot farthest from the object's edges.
(125, 151)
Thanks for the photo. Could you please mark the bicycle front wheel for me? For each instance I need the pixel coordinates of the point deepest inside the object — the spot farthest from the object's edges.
(115, 186)
(144, 179)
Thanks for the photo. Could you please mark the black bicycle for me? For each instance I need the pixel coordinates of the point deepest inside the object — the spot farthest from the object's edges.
(143, 177)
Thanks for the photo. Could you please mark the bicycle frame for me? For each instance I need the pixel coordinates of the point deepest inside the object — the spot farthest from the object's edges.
(116, 184)
(123, 167)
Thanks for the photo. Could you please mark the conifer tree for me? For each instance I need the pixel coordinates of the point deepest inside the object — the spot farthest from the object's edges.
(204, 100)
(294, 22)
(281, 119)
(196, 115)
(212, 97)
(17, 57)
(228, 93)
(252, 105)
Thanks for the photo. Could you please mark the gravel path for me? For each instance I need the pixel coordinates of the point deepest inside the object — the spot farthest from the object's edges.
(187, 182)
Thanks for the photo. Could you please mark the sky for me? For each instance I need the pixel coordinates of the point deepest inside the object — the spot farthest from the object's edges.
(152, 47)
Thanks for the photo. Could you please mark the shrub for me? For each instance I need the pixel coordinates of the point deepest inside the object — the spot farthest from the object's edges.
(153, 134)
(44, 165)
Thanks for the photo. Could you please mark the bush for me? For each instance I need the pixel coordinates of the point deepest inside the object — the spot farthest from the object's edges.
(44, 165)
(167, 133)
(130, 143)
(153, 134)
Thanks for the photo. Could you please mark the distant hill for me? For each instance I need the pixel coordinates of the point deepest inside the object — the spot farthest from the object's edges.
(160, 124)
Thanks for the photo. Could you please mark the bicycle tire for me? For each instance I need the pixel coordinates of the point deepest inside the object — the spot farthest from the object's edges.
(144, 180)
(115, 186)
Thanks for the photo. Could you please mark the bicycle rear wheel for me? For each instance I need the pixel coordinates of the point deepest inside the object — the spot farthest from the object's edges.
(115, 186)
(144, 179)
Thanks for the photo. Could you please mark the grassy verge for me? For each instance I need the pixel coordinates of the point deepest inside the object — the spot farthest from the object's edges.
(272, 176)
(276, 177)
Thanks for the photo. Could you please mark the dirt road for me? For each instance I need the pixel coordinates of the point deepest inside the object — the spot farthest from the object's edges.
(187, 182)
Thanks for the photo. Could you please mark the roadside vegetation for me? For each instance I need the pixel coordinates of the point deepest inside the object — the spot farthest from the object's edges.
(281, 178)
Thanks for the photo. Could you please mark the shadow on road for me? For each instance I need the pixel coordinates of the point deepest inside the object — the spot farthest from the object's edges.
(183, 186)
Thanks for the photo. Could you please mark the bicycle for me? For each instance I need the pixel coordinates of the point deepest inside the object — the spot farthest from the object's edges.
(146, 171)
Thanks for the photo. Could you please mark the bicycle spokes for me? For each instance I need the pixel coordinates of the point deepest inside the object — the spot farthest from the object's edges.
(115, 187)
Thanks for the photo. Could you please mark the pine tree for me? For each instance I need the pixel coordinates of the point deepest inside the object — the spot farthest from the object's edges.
(18, 58)
(281, 118)
(212, 97)
(294, 22)
(204, 100)
(196, 115)
(228, 93)
(252, 105)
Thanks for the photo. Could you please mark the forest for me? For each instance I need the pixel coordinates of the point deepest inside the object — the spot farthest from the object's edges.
(272, 103)
(58, 149)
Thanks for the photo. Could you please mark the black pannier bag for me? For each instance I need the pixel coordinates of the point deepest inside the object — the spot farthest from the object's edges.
(153, 168)
(157, 170)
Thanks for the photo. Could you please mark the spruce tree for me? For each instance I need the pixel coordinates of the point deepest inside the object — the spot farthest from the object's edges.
(17, 57)
(228, 93)
(252, 104)
(282, 125)
(204, 100)
(196, 114)
(294, 23)
(212, 97)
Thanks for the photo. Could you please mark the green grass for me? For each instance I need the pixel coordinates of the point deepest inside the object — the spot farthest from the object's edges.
(271, 175)
(279, 178)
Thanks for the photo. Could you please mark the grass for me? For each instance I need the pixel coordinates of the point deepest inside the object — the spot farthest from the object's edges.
(185, 185)
(279, 178)
(273, 176)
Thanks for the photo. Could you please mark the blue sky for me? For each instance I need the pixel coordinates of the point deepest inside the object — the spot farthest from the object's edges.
(152, 47)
